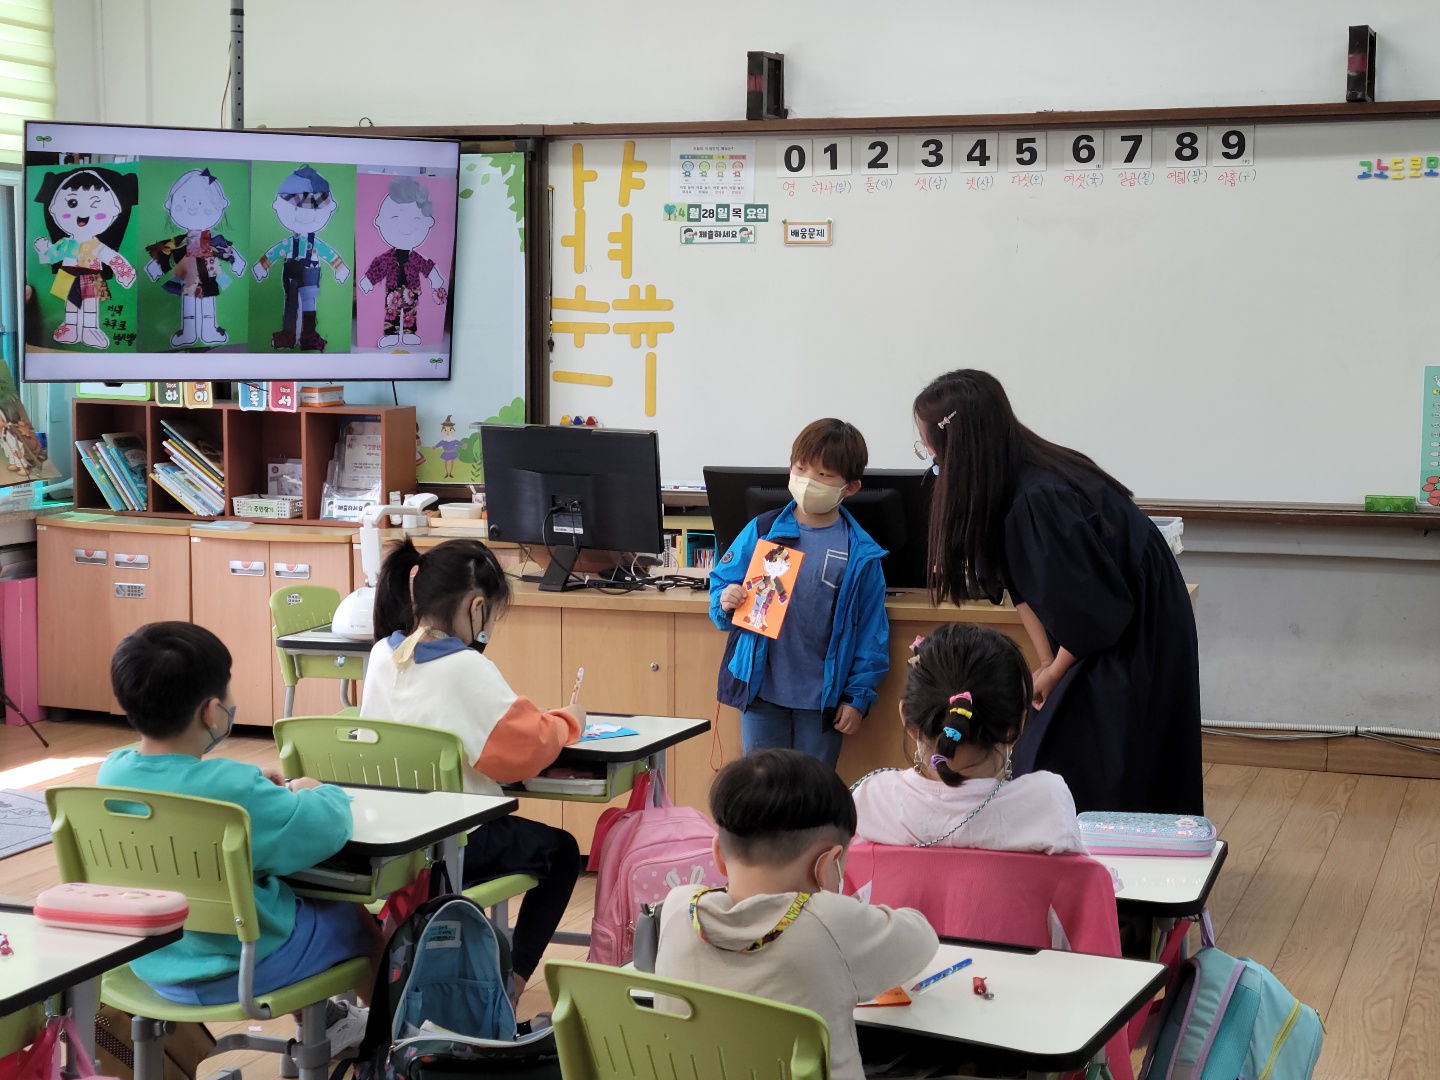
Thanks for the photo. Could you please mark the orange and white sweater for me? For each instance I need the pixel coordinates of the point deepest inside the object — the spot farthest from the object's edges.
(448, 685)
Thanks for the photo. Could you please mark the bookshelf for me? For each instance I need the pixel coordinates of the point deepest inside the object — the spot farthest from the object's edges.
(247, 441)
(689, 541)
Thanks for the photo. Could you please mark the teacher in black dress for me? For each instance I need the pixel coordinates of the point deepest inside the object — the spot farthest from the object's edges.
(1117, 692)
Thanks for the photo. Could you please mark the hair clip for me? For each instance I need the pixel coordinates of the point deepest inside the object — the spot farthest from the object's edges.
(946, 419)
(936, 760)
(958, 710)
(953, 735)
(914, 660)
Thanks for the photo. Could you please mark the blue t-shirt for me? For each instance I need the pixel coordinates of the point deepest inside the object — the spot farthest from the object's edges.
(795, 661)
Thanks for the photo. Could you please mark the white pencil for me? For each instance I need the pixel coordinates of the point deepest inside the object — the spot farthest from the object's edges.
(575, 693)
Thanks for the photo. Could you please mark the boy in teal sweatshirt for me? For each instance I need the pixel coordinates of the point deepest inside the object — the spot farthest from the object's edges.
(173, 681)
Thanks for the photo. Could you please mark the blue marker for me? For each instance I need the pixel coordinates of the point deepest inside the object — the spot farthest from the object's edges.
(929, 981)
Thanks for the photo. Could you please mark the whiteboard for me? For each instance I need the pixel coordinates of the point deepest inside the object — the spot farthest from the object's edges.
(1257, 332)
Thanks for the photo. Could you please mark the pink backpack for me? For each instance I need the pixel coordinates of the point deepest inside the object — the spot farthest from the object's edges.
(644, 852)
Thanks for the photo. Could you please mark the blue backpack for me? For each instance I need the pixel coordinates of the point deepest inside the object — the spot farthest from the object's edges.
(1229, 1019)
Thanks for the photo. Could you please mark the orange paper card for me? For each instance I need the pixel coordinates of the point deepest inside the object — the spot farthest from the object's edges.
(769, 584)
(894, 996)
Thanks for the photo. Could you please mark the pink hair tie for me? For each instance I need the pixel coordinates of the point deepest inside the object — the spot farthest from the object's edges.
(964, 695)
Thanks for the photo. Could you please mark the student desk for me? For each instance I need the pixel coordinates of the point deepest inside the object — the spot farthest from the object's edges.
(389, 824)
(1165, 887)
(321, 642)
(620, 754)
(48, 960)
(1052, 1011)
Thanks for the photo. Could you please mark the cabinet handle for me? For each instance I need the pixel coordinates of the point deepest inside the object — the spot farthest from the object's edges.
(86, 557)
(654, 667)
(132, 562)
(299, 570)
(244, 568)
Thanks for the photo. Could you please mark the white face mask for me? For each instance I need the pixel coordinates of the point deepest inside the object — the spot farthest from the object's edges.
(814, 497)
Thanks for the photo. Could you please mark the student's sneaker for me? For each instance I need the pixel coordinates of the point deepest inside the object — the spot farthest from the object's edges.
(345, 1025)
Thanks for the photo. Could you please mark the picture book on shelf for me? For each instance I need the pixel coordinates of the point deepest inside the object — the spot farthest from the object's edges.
(91, 459)
(769, 586)
(127, 450)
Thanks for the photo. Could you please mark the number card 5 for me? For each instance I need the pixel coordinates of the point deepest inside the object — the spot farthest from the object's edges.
(1023, 151)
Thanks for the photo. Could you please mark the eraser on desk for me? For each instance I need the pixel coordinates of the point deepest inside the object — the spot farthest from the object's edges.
(1390, 504)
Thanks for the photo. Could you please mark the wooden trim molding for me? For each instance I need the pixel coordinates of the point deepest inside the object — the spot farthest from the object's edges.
(1341, 754)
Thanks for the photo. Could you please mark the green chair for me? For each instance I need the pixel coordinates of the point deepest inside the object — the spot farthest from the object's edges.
(605, 1031)
(384, 753)
(21, 1028)
(309, 607)
(200, 847)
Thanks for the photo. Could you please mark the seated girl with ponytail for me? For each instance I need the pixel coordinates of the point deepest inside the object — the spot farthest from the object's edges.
(434, 613)
(966, 697)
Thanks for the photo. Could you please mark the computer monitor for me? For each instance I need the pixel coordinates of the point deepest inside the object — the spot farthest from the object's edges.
(571, 488)
(892, 505)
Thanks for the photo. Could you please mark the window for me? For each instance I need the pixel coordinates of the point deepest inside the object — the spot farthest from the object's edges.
(27, 71)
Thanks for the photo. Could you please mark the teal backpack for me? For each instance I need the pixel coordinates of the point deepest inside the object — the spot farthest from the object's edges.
(1229, 1019)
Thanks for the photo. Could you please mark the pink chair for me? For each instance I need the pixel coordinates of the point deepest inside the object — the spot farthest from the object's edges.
(1017, 898)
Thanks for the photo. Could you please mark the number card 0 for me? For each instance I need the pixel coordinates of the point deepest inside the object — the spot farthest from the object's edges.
(832, 156)
(979, 151)
(879, 155)
(793, 158)
(1084, 149)
(1232, 146)
(1024, 151)
(1128, 149)
(931, 153)
(1182, 146)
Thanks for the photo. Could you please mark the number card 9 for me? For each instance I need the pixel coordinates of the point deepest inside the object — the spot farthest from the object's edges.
(1232, 146)
(793, 158)
(1182, 146)
(931, 153)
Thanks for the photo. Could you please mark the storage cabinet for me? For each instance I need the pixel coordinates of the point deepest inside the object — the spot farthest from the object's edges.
(526, 647)
(95, 586)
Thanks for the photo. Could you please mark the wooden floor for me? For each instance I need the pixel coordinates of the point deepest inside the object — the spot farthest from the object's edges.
(1331, 882)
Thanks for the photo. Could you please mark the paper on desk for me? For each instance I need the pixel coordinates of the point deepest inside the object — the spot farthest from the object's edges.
(863, 892)
(896, 995)
(605, 731)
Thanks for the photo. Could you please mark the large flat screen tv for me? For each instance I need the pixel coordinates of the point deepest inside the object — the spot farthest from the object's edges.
(172, 254)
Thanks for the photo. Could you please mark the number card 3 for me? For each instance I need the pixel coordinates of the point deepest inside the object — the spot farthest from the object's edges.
(1182, 146)
(793, 158)
(931, 153)
(1084, 150)
(1024, 151)
(1232, 146)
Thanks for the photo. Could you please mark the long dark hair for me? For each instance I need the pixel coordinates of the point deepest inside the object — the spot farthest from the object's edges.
(967, 421)
(124, 186)
(965, 668)
(448, 575)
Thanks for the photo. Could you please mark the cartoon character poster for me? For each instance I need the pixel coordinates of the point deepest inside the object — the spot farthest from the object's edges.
(302, 232)
(194, 240)
(23, 456)
(769, 586)
(84, 253)
(404, 259)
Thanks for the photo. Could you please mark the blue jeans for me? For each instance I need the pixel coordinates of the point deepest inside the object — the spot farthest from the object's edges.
(764, 726)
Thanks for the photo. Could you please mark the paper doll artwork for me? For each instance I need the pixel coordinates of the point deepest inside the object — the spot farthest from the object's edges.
(304, 204)
(86, 213)
(449, 446)
(769, 584)
(22, 452)
(404, 220)
(196, 257)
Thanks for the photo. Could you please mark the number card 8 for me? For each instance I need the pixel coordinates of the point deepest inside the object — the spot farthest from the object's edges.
(1182, 146)
(1232, 146)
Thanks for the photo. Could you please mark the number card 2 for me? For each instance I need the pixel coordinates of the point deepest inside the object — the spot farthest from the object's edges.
(879, 155)
(1128, 149)
(979, 151)
(1084, 150)
(1024, 151)
(1182, 146)
(793, 158)
(931, 153)
(1232, 146)
(832, 156)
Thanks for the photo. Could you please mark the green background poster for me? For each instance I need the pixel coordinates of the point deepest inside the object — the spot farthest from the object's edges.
(160, 310)
(117, 314)
(335, 307)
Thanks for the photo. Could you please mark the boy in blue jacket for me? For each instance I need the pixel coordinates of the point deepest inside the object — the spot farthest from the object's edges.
(173, 681)
(815, 682)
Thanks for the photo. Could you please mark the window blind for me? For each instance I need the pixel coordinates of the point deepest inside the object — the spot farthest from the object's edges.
(27, 71)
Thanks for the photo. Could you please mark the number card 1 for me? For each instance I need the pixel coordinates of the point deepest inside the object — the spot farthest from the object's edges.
(832, 156)
(931, 153)
(170, 394)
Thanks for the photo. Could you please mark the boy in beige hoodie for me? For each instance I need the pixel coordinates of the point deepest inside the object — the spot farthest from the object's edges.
(780, 929)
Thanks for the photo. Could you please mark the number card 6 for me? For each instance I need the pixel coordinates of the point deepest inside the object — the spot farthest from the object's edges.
(1084, 149)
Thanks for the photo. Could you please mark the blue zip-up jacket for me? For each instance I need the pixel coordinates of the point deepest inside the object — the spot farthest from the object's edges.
(859, 652)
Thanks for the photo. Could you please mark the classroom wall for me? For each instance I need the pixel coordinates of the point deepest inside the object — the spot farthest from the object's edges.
(1296, 626)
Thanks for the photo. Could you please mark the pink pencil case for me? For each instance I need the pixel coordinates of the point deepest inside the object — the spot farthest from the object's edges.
(1110, 833)
(112, 909)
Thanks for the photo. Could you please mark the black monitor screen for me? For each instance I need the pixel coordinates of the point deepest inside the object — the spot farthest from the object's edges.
(892, 505)
(573, 487)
